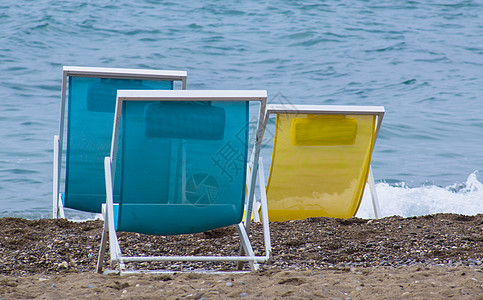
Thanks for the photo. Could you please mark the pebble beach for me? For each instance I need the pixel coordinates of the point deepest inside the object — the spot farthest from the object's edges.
(427, 257)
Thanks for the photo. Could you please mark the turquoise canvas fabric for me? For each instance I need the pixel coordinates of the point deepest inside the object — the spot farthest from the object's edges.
(91, 104)
(181, 165)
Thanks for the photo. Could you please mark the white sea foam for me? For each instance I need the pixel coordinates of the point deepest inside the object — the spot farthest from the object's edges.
(404, 201)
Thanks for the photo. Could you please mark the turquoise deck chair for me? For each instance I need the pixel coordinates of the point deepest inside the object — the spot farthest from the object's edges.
(87, 111)
(180, 158)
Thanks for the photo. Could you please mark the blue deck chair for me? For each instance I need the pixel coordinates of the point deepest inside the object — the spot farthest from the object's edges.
(180, 158)
(87, 108)
(320, 160)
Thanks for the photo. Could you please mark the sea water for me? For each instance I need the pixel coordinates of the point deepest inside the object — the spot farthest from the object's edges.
(422, 60)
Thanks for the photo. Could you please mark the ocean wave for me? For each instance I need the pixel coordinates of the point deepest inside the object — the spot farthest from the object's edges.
(401, 200)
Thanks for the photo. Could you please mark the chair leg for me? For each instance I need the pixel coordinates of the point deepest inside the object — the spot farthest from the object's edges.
(55, 190)
(264, 210)
(246, 246)
(240, 264)
(57, 205)
(61, 213)
(372, 188)
(241, 252)
(102, 249)
(256, 211)
(122, 267)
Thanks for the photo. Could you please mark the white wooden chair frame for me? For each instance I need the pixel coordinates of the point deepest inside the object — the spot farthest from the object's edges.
(274, 109)
(114, 73)
(109, 231)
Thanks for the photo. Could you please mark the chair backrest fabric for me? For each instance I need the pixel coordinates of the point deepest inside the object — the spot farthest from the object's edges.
(319, 166)
(181, 165)
(91, 105)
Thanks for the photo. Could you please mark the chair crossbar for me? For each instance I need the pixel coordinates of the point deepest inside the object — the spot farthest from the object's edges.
(192, 258)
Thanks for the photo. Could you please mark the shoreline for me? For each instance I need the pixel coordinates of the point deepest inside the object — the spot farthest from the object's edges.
(433, 256)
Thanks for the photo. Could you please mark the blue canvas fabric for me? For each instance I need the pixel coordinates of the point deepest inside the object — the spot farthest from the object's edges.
(91, 104)
(181, 165)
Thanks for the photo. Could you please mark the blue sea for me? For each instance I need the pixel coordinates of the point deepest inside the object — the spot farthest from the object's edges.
(422, 60)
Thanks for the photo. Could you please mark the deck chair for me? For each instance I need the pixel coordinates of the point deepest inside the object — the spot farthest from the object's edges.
(182, 168)
(87, 106)
(320, 160)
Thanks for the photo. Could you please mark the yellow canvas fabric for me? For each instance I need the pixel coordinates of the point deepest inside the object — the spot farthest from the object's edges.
(319, 166)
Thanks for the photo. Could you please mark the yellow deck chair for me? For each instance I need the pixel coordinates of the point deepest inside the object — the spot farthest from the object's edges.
(320, 161)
